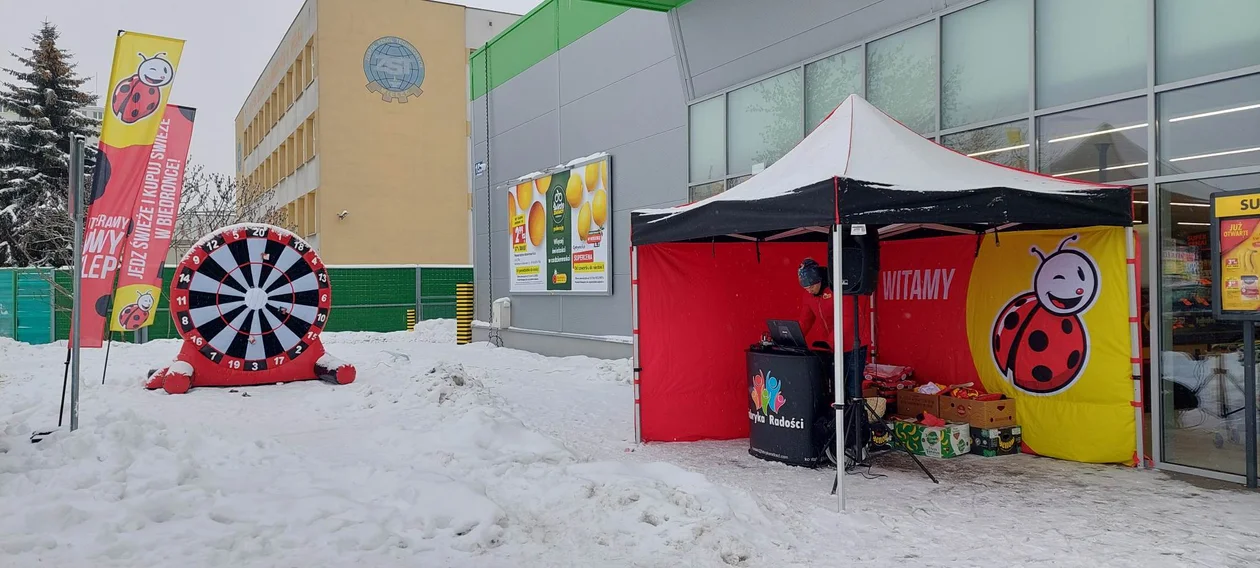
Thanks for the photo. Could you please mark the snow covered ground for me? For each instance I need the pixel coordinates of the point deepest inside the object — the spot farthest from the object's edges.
(475, 456)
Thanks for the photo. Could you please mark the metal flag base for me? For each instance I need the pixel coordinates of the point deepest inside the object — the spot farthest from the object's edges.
(37, 437)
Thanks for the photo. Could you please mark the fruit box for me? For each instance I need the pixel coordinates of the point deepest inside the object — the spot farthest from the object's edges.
(990, 414)
(990, 442)
(950, 441)
(910, 403)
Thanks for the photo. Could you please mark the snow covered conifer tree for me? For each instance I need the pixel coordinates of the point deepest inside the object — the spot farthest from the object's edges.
(35, 228)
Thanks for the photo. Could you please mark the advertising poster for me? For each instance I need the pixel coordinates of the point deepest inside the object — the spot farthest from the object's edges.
(1236, 255)
(560, 229)
(1240, 264)
(143, 71)
(1039, 316)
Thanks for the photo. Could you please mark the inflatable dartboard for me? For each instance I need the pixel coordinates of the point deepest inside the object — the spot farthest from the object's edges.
(250, 301)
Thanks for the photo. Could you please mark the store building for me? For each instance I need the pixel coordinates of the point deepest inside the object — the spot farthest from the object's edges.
(690, 98)
(357, 126)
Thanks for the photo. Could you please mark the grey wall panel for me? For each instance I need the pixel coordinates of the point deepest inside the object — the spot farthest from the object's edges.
(621, 234)
(482, 271)
(622, 94)
(650, 170)
(732, 41)
(530, 147)
(598, 315)
(641, 105)
(631, 42)
(477, 120)
(536, 312)
(480, 254)
(621, 243)
(498, 194)
(525, 97)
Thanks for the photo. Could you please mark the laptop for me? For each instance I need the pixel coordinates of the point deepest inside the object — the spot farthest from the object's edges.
(787, 334)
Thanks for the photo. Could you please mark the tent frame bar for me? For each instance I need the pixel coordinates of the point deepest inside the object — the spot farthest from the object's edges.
(634, 335)
(837, 353)
(1135, 343)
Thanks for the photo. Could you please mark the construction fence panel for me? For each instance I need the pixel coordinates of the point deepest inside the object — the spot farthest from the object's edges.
(437, 290)
(26, 309)
(365, 298)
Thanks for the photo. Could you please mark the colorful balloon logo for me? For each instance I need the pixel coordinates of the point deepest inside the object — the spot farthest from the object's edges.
(765, 393)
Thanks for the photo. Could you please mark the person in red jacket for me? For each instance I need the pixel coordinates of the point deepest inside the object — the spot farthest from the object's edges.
(818, 321)
(818, 315)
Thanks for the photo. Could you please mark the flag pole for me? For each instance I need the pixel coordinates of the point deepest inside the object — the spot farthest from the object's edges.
(108, 344)
(76, 327)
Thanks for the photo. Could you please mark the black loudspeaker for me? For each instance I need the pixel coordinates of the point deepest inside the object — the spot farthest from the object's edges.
(859, 257)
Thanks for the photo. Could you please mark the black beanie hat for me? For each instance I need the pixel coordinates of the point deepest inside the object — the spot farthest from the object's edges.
(810, 273)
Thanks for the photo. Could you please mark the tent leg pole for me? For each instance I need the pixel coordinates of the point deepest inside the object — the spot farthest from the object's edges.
(634, 335)
(1135, 345)
(838, 363)
(874, 351)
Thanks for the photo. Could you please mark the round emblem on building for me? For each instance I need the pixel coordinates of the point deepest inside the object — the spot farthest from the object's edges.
(394, 69)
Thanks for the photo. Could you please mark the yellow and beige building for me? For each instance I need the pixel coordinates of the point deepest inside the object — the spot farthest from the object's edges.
(359, 126)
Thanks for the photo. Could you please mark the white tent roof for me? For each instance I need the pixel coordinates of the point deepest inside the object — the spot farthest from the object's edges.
(860, 142)
(862, 166)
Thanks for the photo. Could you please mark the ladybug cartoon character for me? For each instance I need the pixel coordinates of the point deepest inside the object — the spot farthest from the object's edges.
(1040, 343)
(133, 316)
(137, 96)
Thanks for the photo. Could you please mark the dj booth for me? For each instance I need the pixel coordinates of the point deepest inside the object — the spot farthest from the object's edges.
(790, 396)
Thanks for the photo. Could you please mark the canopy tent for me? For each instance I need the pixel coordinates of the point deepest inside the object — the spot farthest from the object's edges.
(862, 167)
(859, 167)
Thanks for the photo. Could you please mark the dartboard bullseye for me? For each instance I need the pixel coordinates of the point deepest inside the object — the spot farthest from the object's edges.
(251, 302)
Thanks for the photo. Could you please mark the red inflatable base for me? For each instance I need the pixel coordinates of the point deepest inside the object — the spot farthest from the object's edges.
(191, 369)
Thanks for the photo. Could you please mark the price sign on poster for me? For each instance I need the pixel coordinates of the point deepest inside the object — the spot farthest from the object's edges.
(560, 225)
(1236, 255)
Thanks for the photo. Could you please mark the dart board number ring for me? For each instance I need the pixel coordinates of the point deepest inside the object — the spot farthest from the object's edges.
(251, 298)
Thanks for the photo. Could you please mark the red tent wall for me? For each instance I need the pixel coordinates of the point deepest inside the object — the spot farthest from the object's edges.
(927, 333)
(700, 306)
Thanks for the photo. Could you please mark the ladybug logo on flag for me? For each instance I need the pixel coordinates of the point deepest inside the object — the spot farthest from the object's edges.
(133, 316)
(138, 96)
(1040, 343)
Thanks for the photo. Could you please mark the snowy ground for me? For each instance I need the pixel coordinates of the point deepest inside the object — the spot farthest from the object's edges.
(473, 456)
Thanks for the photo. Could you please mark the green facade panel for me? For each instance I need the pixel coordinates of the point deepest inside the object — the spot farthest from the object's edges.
(551, 26)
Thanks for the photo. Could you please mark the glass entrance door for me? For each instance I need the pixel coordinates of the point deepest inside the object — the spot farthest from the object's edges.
(1202, 417)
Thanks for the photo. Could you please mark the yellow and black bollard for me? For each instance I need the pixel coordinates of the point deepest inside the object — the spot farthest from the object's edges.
(463, 313)
(411, 320)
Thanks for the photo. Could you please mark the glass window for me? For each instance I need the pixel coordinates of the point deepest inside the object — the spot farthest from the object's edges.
(984, 62)
(828, 82)
(1088, 49)
(730, 183)
(1102, 143)
(708, 139)
(901, 76)
(1005, 144)
(1201, 373)
(764, 121)
(1210, 127)
(1204, 37)
(704, 191)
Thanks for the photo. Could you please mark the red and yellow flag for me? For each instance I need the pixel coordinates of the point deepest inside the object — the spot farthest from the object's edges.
(153, 223)
(144, 70)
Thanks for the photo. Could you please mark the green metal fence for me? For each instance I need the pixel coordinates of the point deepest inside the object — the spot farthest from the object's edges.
(35, 303)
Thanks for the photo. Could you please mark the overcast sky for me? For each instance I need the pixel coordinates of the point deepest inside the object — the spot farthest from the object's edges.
(215, 74)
